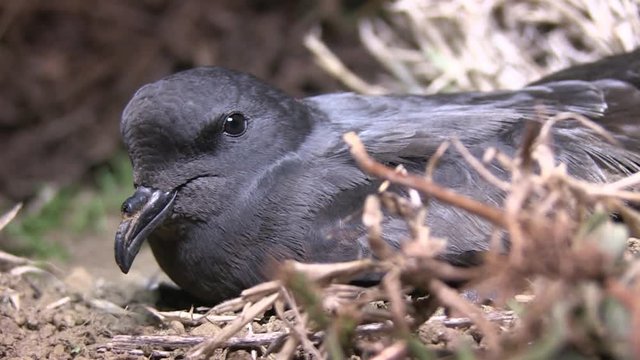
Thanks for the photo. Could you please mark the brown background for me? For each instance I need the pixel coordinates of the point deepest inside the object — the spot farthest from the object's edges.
(68, 67)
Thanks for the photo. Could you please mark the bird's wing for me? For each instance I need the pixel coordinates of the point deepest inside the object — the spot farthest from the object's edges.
(402, 129)
(407, 130)
(622, 67)
(618, 77)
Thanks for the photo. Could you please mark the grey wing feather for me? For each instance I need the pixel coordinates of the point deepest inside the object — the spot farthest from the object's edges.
(408, 129)
(395, 128)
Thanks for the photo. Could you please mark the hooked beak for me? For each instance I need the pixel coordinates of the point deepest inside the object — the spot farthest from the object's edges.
(142, 213)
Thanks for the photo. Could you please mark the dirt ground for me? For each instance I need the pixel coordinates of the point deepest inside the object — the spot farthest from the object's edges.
(74, 310)
(77, 306)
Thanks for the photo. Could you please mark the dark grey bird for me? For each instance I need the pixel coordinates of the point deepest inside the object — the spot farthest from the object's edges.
(233, 175)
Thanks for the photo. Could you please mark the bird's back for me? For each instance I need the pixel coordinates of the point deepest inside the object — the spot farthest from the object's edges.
(407, 129)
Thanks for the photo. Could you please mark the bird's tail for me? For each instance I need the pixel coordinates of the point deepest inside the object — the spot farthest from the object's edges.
(618, 79)
(623, 67)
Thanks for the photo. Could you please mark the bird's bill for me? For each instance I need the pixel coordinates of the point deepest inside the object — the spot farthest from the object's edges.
(142, 213)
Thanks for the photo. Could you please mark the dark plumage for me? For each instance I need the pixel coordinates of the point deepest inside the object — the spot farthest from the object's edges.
(219, 202)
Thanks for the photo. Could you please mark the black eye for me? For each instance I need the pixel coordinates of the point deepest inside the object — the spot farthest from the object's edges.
(235, 124)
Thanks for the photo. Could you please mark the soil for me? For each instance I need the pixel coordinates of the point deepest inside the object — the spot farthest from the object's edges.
(69, 309)
(35, 328)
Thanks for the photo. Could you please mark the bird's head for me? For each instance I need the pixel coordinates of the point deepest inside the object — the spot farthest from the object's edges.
(196, 139)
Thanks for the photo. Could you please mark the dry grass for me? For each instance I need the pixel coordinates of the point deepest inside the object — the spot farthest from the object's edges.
(430, 46)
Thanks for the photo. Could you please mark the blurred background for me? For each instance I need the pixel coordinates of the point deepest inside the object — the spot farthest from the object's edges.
(68, 68)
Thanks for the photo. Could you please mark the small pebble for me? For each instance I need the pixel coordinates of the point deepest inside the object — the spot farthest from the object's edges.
(47, 331)
(177, 327)
(58, 350)
(206, 329)
(19, 319)
(63, 320)
(32, 322)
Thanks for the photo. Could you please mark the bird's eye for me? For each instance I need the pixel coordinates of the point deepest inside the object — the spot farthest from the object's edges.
(235, 124)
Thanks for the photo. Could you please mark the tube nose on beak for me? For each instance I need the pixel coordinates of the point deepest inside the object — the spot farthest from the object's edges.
(142, 213)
